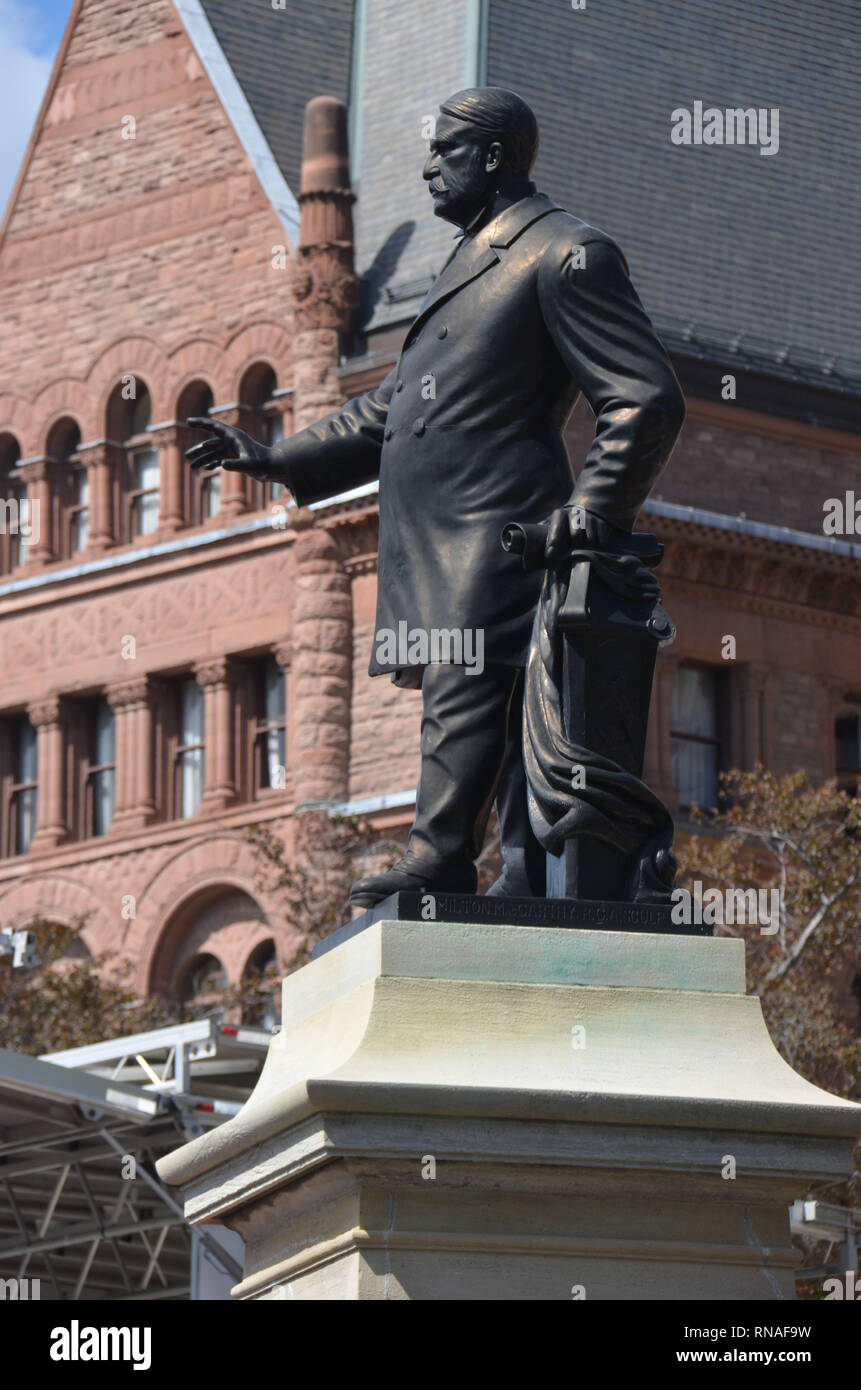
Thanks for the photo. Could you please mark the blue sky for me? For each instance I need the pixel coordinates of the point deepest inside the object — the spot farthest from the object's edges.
(30, 34)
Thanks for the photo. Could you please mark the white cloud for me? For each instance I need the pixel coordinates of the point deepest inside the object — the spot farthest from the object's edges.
(24, 74)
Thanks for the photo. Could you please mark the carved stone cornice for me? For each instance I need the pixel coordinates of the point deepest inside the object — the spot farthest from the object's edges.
(770, 578)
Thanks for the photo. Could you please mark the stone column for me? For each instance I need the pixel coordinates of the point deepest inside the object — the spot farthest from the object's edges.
(219, 788)
(37, 477)
(99, 460)
(134, 805)
(322, 664)
(172, 469)
(51, 828)
(658, 764)
(753, 680)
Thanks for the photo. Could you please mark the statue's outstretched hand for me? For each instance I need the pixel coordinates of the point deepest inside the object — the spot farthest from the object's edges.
(229, 447)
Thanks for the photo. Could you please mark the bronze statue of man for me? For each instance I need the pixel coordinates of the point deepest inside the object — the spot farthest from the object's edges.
(465, 435)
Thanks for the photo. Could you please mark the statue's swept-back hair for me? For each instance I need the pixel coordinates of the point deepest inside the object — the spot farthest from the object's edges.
(502, 115)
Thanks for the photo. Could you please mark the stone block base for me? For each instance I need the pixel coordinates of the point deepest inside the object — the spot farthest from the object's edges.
(456, 1111)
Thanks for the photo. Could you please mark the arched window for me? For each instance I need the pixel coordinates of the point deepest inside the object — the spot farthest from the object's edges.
(202, 978)
(136, 470)
(262, 418)
(259, 979)
(202, 490)
(73, 478)
(14, 506)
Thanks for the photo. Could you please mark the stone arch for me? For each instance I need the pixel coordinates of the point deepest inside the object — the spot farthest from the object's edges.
(63, 899)
(211, 867)
(16, 418)
(265, 341)
(67, 397)
(200, 359)
(139, 357)
(218, 920)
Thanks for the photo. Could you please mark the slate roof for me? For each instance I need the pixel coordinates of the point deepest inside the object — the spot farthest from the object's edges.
(737, 256)
(283, 57)
(730, 249)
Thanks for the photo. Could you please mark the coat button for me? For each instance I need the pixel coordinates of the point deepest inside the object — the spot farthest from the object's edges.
(399, 386)
(388, 432)
(442, 332)
(419, 426)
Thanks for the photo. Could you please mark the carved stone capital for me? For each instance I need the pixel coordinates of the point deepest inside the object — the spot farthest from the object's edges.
(283, 654)
(129, 693)
(216, 671)
(96, 455)
(34, 471)
(44, 713)
(325, 288)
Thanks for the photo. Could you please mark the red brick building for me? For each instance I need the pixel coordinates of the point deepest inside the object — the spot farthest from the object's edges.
(185, 656)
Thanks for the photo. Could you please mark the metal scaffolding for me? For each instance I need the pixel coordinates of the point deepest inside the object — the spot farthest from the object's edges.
(81, 1207)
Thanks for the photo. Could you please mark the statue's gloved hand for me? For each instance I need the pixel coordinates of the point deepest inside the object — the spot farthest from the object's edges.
(229, 447)
(574, 528)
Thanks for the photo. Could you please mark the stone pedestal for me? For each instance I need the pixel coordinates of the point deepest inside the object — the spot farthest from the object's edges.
(457, 1112)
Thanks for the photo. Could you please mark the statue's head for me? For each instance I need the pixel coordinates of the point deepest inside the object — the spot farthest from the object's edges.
(485, 142)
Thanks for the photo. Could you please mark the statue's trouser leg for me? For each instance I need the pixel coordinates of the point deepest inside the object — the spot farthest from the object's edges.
(463, 747)
(524, 860)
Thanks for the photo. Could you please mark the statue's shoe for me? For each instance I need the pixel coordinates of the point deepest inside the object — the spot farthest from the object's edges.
(414, 875)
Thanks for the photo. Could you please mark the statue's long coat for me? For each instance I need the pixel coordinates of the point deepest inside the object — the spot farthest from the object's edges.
(465, 433)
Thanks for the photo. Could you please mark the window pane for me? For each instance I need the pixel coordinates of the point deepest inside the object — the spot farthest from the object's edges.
(21, 536)
(28, 756)
(82, 487)
(695, 772)
(276, 757)
(27, 806)
(190, 782)
(103, 800)
(274, 690)
(104, 751)
(81, 530)
(694, 702)
(211, 494)
(142, 413)
(848, 734)
(192, 712)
